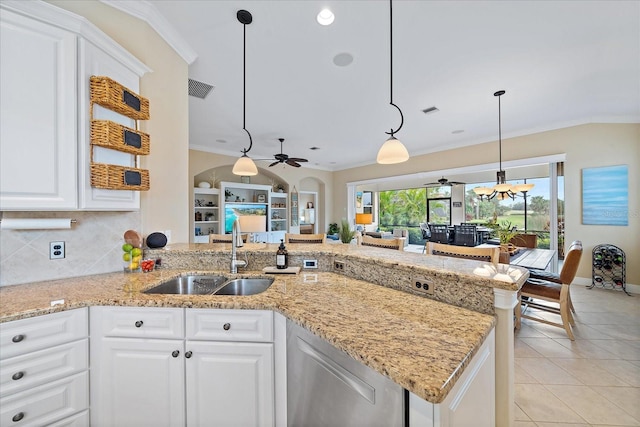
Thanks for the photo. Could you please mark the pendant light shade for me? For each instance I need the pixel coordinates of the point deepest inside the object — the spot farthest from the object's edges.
(244, 166)
(392, 151)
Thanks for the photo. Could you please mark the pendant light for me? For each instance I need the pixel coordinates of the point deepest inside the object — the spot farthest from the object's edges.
(244, 166)
(392, 151)
(502, 190)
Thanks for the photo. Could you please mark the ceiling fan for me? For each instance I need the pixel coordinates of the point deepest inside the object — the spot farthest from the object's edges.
(443, 181)
(284, 158)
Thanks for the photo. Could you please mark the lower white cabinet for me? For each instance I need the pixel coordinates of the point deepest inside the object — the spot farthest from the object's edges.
(231, 383)
(141, 378)
(43, 370)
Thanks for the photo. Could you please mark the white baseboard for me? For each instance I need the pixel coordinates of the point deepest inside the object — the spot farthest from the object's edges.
(631, 288)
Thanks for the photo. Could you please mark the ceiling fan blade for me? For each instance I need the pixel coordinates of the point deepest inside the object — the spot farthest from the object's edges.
(298, 159)
(274, 163)
(290, 162)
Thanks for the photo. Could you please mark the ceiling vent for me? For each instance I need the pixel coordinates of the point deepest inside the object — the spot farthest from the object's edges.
(199, 89)
(430, 110)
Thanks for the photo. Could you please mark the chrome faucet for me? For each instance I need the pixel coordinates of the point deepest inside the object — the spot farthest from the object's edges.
(236, 242)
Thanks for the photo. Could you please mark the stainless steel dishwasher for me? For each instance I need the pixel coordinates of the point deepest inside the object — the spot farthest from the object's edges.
(328, 388)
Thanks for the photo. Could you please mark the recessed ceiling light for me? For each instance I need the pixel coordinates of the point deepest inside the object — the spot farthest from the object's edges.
(314, 148)
(458, 131)
(325, 17)
(430, 110)
(221, 141)
(343, 59)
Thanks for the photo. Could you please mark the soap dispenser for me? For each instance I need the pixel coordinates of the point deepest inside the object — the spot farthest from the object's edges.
(282, 257)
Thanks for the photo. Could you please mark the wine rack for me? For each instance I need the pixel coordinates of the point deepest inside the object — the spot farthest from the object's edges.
(608, 268)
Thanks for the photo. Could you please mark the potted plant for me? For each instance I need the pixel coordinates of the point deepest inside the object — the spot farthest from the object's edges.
(506, 232)
(346, 233)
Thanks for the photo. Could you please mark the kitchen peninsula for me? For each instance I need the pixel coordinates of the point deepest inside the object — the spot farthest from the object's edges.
(388, 331)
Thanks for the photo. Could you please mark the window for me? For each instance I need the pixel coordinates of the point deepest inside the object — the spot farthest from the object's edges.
(439, 205)
(402, 208)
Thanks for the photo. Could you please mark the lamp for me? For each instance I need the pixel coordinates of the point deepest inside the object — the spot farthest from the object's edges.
(392, 151)
(244, 166)
(502, 189)
(364, 219)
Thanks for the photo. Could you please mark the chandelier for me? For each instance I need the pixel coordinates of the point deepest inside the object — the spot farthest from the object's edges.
(502, 190)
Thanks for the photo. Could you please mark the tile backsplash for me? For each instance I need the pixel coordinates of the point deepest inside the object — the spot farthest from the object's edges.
(93, 246)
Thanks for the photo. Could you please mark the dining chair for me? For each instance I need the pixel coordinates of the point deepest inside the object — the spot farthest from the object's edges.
(305, 238)
(439, 233)
(397, 243)
(550, 293)
(488, 254)
(525, 240)
(225, 238)
(465, 235)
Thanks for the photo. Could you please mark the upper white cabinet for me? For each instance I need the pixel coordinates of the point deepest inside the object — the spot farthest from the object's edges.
(38, 115)
(48, 56)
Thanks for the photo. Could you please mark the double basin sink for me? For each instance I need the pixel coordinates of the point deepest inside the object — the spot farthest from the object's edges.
(211, 285)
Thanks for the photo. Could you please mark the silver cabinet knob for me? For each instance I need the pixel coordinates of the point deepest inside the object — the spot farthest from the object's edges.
(18, 338)
(188, 354)
(139, 323)
(17, 417)
(175, 353)
(226, 326)
(17, 376)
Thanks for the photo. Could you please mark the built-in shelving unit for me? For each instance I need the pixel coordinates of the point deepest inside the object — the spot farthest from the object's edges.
(206, 213)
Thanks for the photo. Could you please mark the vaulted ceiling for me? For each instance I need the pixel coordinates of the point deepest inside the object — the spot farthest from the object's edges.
(562, 63)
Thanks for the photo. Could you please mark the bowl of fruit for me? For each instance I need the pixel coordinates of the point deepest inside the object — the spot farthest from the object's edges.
(147, 265)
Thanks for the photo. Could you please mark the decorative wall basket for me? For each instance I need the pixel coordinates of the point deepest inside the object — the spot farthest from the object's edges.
(108, 134)
(114, 177)
(112, 95)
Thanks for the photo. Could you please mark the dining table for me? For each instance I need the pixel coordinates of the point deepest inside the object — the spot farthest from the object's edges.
(533, 258)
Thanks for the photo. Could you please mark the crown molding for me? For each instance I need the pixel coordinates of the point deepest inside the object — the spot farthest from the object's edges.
(148, 13)
(79, 25)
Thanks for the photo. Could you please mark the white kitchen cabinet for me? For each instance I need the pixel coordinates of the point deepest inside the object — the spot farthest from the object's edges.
(47, 56)
(169, 367)
(38, 115)
(44, 369)
(229, 382)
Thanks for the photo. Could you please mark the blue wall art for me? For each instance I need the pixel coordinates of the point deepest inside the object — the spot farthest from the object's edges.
(605, 195)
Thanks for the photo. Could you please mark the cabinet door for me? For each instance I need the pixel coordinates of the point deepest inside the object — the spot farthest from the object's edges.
(38, 115)
(95, 62)
(137, 383)
(231, 383)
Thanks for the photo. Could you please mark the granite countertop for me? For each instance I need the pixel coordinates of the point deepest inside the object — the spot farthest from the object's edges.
(421, 344)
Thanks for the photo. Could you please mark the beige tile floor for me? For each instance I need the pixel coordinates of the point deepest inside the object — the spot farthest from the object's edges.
(592, 381)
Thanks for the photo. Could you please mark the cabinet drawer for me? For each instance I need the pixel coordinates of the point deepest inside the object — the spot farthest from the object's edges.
(137, 322)
(77, 420)
(229, 325)
(47, 403)
(32, 369)
(36, 333)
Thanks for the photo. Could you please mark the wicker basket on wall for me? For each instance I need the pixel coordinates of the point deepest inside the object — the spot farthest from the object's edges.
(112, 95)
(114, 177)
(108, 134)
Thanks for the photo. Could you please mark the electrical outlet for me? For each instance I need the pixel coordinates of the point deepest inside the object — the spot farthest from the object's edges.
(423, 285)
(338, 265)
(56, 250)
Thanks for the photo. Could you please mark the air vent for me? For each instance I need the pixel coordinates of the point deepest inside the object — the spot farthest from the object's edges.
(430, 110)
(199, 89)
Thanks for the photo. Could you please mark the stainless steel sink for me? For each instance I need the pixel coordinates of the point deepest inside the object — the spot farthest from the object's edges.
(247, 286)
(210, 285)
(189, 285)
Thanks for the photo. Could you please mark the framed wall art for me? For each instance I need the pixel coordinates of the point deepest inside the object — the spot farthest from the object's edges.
(605, 195)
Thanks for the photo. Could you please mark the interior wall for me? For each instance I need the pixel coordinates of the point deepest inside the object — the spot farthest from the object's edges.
(165, 207)
(303, 178)
(585, 146)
